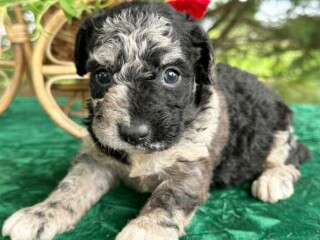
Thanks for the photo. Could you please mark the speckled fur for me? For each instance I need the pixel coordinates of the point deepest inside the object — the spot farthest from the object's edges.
(217, 126)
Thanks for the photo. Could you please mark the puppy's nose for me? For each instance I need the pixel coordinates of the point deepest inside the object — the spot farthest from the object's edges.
(134, 134)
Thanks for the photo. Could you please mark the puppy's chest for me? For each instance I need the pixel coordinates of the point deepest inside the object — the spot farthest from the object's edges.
(144, 183)
(141, 164)
(145, 172)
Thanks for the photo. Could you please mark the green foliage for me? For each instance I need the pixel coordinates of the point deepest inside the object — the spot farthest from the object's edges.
(39, 8)
(285, 54)
(76, 8)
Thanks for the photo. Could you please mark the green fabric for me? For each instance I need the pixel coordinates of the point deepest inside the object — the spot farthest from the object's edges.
(35, 155)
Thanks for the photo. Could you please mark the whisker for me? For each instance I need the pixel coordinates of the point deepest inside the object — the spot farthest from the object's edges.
(93, 145)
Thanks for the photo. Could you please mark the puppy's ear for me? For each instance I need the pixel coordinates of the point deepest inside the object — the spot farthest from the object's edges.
(81, 51)
(203, 52)
(203, 55)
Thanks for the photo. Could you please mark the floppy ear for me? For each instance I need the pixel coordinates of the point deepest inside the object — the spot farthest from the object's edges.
(204, 52)
(81, 51)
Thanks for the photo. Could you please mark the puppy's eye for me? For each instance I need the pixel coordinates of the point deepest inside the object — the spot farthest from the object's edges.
(103, 77)
(171, 76)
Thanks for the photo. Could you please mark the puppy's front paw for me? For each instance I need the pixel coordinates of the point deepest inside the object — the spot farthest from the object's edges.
(147, 229)
(29, 224)
(275, 184)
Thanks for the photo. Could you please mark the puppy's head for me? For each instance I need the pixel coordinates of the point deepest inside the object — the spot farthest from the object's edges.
(149, 68)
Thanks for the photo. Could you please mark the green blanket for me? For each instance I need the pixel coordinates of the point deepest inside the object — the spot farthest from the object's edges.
(35, 155)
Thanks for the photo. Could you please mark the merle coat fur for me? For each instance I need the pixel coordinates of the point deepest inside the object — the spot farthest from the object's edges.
(165, 119)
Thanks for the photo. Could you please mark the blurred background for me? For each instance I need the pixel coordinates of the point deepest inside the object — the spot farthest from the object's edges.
(279, 41)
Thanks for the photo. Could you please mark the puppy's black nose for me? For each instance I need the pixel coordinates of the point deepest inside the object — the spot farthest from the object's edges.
(135, 134)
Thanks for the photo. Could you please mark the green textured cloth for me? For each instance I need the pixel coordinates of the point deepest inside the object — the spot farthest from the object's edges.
(35, 155)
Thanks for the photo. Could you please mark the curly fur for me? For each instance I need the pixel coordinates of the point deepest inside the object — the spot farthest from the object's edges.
(215, 126)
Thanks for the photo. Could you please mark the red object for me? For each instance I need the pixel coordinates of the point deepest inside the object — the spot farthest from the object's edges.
(196, 8)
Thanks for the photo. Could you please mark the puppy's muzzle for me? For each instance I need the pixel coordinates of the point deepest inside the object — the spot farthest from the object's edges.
(134, 134)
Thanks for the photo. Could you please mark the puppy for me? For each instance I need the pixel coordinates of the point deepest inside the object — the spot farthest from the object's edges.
(165, 119)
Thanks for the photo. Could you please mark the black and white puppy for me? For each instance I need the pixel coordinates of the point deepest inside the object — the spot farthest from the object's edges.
(165, 119)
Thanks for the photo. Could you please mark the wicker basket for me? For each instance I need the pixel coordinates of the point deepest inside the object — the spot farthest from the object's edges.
(62, 46)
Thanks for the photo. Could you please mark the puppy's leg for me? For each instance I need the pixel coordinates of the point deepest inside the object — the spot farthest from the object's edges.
(280, 170)
(86, 182)
(172, 204)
